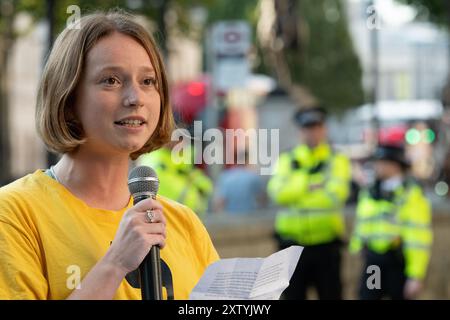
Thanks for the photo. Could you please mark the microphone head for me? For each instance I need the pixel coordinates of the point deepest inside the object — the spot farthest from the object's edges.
(143, 183)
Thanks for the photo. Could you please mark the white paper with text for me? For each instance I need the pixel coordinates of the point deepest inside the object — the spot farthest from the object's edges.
(248, 278)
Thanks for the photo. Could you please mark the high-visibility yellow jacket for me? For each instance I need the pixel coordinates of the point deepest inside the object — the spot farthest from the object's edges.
(179, 180)
(403, 219)
(313, 185)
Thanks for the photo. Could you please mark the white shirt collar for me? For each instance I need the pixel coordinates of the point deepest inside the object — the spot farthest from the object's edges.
(392, 183)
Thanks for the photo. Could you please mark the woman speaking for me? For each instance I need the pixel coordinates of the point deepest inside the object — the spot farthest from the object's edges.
(71, 231)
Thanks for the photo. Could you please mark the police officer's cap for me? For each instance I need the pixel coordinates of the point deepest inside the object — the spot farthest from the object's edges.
(392, 153)
(310, 116)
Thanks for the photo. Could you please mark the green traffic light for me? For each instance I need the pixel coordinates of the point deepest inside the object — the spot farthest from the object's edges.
(413, 136)
(428, 136)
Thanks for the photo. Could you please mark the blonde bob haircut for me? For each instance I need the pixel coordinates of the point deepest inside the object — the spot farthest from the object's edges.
(56, 122)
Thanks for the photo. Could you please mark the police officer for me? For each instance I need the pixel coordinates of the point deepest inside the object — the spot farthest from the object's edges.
(311, 183)
(393, 230)
(179, 179)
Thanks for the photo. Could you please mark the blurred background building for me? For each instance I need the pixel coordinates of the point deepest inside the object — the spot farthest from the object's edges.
(412, 54)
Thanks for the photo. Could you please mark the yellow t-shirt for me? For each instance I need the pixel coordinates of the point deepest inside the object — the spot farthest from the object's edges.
(48, 236)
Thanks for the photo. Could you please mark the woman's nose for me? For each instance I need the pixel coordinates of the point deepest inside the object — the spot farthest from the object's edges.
(133, 97)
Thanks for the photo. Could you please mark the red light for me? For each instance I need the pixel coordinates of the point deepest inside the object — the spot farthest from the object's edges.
(196, 89)
(392, 135)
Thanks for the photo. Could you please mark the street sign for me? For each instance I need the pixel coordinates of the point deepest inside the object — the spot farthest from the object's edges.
(230, 43)
(231, 38)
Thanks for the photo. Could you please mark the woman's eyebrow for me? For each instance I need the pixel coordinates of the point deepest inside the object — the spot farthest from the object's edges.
(109, 68)
(147, 69)
(119, 68)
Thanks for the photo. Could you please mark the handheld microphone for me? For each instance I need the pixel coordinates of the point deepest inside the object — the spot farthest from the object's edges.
(143, 183)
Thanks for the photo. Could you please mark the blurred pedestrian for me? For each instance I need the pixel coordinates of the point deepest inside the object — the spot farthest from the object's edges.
(240, 190)
(392, 229)
(179, 179)
(312, 183)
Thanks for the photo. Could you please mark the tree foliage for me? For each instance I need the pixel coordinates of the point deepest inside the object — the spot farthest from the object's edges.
(329, 66)
(437, 11)
(314, 56)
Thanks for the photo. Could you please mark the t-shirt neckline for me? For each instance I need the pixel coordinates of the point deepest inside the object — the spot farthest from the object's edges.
(61, 188)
